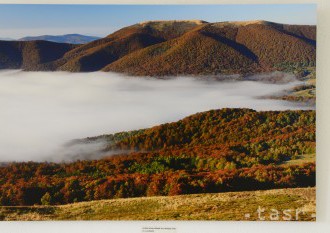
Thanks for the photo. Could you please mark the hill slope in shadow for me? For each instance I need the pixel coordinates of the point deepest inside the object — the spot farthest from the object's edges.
(158, 48)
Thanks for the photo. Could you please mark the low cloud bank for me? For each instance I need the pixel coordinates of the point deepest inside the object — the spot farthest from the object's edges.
(42, 111)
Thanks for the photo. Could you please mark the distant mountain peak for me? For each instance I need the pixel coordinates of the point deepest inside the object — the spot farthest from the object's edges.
(6, 39)
(67, 38)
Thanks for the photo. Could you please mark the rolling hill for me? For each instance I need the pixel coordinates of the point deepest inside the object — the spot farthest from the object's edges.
(192, 47)
(232, 47)
(98, 54)
(29, 55)
(69, 38)
(210, 152)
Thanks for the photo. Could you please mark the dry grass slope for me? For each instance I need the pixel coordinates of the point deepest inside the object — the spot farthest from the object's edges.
(219, 206)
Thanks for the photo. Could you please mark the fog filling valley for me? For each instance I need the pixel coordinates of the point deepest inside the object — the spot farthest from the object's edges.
(43, 111)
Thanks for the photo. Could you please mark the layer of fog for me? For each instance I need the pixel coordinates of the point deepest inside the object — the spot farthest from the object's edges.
(41, 111)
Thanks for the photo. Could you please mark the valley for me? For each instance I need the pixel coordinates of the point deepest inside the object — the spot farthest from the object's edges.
(183, 119)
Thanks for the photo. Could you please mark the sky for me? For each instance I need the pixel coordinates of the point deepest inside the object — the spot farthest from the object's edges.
(17, 21)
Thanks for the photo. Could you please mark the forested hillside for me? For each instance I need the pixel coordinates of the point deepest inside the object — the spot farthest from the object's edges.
(229, 47)
(191, 47)
(215, 151)
(30, 55)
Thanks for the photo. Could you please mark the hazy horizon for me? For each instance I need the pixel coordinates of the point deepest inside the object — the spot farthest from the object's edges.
(101, 20)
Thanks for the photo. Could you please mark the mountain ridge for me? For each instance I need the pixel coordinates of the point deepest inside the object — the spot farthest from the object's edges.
(190, 47)
(66, 38)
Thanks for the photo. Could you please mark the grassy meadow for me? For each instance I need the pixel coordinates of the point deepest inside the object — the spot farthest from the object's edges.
(217, 206)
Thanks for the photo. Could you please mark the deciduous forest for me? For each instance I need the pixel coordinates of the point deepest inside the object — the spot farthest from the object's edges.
(214, 151)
